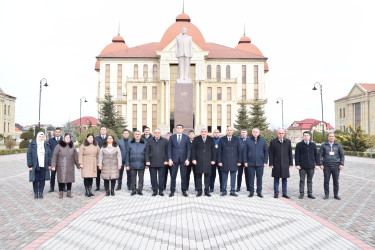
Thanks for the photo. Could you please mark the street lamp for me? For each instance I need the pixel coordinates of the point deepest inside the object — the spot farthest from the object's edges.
(321, 99)
(80, 108)
(282, 110)
(40, 98)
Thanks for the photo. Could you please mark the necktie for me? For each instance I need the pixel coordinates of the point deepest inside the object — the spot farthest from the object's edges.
(179, 139)
(204, 140)
(229, 138)
(281, 141)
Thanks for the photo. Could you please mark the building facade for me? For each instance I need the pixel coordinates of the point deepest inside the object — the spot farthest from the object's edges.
(7, 114)
(296, 129)
(357, 108)
(141, 79)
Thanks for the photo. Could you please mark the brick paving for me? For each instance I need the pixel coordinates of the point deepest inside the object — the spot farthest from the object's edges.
(195, 222)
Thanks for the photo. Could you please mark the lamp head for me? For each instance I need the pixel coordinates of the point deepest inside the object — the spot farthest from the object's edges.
(314, 88)
(277, 102)
(85, 100)
(45, 85)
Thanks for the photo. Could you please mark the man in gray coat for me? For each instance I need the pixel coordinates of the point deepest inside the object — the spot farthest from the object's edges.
(124, 145)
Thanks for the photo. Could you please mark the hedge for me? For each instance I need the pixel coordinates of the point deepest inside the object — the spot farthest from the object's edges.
(360, 154)
(13, 151)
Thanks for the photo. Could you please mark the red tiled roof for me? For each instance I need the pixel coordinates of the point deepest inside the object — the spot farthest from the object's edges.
(118, 43)
(307, 124)
(85, 121)
(220, 51)
(341, 98)
(246, 45)
(369, 87)
(145, 51)
(17, 130)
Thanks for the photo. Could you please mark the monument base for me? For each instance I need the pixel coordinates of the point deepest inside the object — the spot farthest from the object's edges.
(183, 104)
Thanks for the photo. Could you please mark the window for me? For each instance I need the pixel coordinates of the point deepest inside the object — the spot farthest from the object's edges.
(227, 72)
(155, 73)
(340, 113)
(154, 116)
(8, 127)
(154, 93)
(134, 92)
(119, 80)
(135, 71)
(5, 124)
(219, 110)
(5, 109)
(209, 114)
(256, 83)
(229, 115)
(145, 72)
(243, 94)
(208, 71)
(229, 93)
(107, 79)
(218, 73)
(209, 93)
(256, 92)
(219, 93)
(134, 117)
(144, 92)
(144, 115)
(119, 110)
(343, 112)
(244, 74)
(357, 114)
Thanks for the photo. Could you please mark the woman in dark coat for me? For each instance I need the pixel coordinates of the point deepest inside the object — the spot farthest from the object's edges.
(39, 162)
(64, 158)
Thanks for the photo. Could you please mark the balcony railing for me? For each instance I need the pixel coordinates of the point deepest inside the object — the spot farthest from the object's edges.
(141, 79)
(221, 80)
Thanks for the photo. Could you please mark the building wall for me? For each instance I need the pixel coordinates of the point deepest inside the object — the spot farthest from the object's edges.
(7, 114)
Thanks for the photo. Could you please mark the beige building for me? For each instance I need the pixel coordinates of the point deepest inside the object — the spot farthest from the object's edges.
(296, 129)
(357, 108)
(7, 114)
(141, 79)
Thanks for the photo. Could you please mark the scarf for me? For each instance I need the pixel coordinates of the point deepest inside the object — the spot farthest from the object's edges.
(40, 149)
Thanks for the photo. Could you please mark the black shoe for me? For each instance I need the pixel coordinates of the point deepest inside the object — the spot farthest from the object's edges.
(286, 196)
(211, 190)
(87, 192)
(140, 192)
(51, 190)
(260, 195)
(107, 193)
(118, 188)
(161, 193)
(326, 197)
(171, 194)
(133, 193)
(155, 193)
(185, 194)
(36, 195)
(233, 194)
(238, 189)
(112, 192)
(207, 194)
(251, 194)
(247, 189)
(199, 194)
(129, 188)
(97, 189)
(275, 196)
(336, 197)
(301, 196)
(311, 196)
(223, 194)
(41, 195)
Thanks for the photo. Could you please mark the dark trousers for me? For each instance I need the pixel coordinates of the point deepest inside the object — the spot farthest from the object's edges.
(188, 173)
(284, 182)
(62, 186)
(98, 172)
(175, 167)
(335, 172)
(157, 178)
(121, 174)
(242, 169)
(88, 182)
(106, 184)
(198, 182)
(140, 173)
(224, 175)
(167, 168)
(302, 176)
(258, 172)
(213, 177)
(40, 180)
(53, 180)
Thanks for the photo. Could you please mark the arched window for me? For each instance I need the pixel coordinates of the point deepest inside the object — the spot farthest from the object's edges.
(155, 71)
(135, 71)
(218, 73)
(208, 71)
(145, 72)
(227, 75)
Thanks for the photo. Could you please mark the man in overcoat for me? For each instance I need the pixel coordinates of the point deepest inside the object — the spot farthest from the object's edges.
(53, 141)
(123, 144)
(100, 139)
(229, 158)
(215, 166)
(190, 167)
(203, 156)
(241, 169)
(281, 160)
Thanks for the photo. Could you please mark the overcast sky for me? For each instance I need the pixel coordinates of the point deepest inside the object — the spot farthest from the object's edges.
(331, 42)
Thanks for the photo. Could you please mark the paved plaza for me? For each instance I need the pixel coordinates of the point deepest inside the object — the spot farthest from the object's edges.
(146, 222)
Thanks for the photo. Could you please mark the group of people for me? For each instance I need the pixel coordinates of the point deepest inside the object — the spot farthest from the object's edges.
(101, 157)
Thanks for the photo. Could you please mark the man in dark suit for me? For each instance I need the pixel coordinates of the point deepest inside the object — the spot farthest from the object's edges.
(101, 138)
(203, 156)
(124, 146)
(167, 167)
(229, 159)
(215, 166)
(53, 141)
(178, 154)
(281, 160)
(190, 167)
(241, 169)
(146, 134)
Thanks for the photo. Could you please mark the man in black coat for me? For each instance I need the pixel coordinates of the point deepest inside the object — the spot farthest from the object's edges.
(53, 141)
(190, 167)
(156, 160)
(229, 159)
(281, 159)
(100, 139)
(203, 156)
(306, 160)
(241, 169)
(123, 144)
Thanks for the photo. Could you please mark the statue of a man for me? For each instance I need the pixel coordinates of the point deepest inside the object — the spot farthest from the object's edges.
(183, 53)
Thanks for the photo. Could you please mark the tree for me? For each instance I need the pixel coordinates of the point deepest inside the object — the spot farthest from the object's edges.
(318, 136)
(68, 129)
(354, 139)
(243, 121)
(257, 116)
(108, 116)
(268, 135)
(28, 135)
(9, 142)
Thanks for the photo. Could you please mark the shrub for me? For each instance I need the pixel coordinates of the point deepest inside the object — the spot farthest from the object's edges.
(12, 151)
(9, 142)
(24, 144)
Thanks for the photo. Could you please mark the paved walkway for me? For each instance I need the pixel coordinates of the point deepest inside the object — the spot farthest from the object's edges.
(146, 222)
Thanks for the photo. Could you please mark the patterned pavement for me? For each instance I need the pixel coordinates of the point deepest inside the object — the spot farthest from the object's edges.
(146, 222)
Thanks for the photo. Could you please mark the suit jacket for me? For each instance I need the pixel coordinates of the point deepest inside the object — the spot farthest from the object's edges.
(281, 157)
(183, 46)
(242, 147)
(53, 143)
(180, 152)
(306, 156)
(203, 153)
(156, 152)
(124, 147)
(229, 153)
(100, 140)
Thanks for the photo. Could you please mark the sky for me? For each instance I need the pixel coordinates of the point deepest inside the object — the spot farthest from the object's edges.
(331, 42)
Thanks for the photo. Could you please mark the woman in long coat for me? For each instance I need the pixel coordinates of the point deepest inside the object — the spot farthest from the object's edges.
(64, 158)
(110, 162)
(39, 162)
(88, 161)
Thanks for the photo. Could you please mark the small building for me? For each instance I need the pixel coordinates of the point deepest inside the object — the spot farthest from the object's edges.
(296, 129)
(357, 108)
(86, 123)
(7, 114)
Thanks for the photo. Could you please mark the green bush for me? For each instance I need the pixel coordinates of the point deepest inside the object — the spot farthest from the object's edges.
(24, 144)
(27, 135)
(95, 131)
(12, 151)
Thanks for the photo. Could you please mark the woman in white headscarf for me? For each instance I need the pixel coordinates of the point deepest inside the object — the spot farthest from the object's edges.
(39, 162)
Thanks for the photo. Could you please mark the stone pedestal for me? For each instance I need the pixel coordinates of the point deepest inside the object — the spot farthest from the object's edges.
(183, 104)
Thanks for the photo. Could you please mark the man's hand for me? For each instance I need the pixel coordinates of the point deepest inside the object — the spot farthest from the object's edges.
(30, 169)
(170, 163)
(100, 168)
(265, 165)
(321, 167)
(148, 163)
(246, 165)
(194, 162)
(316, 167)
(271, 166)
(127, 168)
(341, 167)
(165, 163)
(238, 164)
(290, 166)
(53, 168)
(212, 163)
(298, 167)
(119, 167)
(186, 162)
(49, 167)
(220, 164)
(80, 166)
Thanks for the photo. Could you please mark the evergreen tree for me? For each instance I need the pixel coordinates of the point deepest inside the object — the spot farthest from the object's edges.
(354, 139)
(243, 121)
(108, 116)
(257, 117)
(68, 128)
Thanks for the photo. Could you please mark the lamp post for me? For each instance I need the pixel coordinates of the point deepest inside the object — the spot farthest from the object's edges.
(282, 110)
(321, 100)
(40, 98)
(80, 108)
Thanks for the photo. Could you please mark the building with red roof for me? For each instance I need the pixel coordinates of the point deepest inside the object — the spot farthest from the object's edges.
(141, 79)
(357, 108)
(86, 123)
(296, 129)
